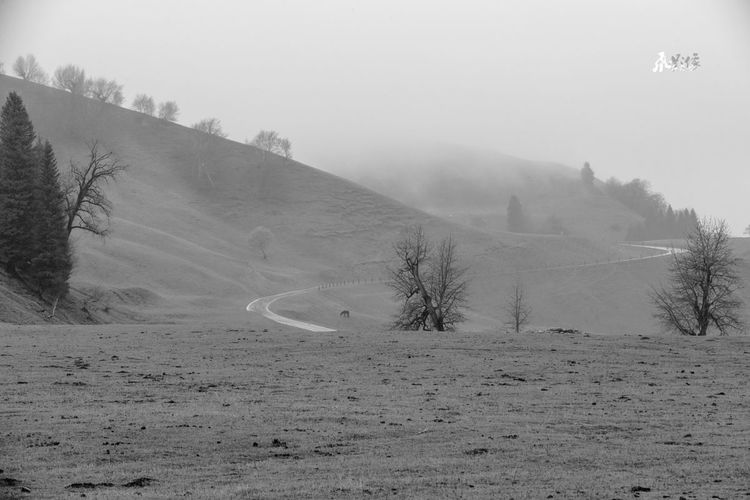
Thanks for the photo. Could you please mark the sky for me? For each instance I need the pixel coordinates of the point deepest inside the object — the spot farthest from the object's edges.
(564, 81)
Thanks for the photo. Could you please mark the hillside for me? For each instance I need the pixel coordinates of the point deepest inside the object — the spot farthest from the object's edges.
(473, 186)
(179, 251)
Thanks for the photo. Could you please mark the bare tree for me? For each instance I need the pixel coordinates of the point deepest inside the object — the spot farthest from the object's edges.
(428, 282)
(703, 285)
(2, 68)
(285, 145)
(168, 111)
(106, 91)
(28, 69)
(71, 78)
(267, 141)
(144, 104)
(517, 308)
(86, 203)
(260, 240)
(747, 230)
(210, 126)
(205, 147)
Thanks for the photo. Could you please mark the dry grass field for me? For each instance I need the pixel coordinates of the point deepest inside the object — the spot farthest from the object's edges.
(260, 411)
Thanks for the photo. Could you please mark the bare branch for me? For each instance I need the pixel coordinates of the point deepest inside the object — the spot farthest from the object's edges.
(87, 205)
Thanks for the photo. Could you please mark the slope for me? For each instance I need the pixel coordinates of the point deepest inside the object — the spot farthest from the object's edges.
(184, 208)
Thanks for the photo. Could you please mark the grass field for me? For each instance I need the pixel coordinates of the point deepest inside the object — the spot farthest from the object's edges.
(239, 412)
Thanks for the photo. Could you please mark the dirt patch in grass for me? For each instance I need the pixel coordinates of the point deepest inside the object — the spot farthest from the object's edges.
(232, 413)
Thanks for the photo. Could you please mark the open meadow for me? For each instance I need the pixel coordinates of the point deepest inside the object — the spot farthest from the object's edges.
(260, 411)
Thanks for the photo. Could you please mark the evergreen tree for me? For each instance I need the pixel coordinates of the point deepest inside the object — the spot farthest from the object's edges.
(52, 264)
(516, 217)
(587, 175)
(18, 175)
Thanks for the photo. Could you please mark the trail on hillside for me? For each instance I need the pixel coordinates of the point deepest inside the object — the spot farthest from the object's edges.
(262, 305)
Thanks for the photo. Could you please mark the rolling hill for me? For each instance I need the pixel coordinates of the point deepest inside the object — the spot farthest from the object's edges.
(179, 251)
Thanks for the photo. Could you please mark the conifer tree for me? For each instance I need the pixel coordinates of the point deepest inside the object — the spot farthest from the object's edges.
(18, 174)
(516, 217)
(52, 263)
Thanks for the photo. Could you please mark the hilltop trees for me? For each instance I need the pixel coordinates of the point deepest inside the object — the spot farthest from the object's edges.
(144, 104)
(428, 282)
(659, 219)
(33, 242)
(168, 111)
(104, 90)
(71, 78)
(205, 146)
(269, 141)
(703, 285)
(28, 69)
(86, 205)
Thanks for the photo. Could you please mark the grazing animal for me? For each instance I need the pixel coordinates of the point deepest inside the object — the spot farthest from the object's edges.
(344, 314)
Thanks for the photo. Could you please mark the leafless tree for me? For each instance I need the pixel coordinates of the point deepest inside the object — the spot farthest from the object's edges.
(428, 282)
(260, 240)
(144, 104)
(285, 145)
(168, 111)
(747, 230)
(205, 146)
(71, 78)
(28, 69)
(2, 68)
(87, 205)
(210, 126)
(703, 284)
(106, 91)
(267, 141)
(517, 308)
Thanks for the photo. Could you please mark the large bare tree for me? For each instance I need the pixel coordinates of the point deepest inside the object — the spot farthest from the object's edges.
(28, 69)
(703, 284)
(517, 307)
(428, 282)
(87, 205)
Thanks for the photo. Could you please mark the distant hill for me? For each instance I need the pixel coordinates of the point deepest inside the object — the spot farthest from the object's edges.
(179, 251)
(473, 186)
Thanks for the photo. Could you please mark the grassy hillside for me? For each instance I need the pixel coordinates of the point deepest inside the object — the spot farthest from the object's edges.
(179, 249)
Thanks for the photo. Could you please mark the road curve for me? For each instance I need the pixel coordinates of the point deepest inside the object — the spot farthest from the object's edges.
(262, 306)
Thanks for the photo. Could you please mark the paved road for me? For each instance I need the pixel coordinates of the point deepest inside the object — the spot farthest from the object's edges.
(262, 305)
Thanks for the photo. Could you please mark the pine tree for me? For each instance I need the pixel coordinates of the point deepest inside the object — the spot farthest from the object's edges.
(18, 174)
(516, 217)
(52, 264)
(587, 175)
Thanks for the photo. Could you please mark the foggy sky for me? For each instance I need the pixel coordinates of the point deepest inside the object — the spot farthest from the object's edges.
(543, 80)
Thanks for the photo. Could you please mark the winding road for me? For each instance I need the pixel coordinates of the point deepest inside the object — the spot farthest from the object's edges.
(262, 305)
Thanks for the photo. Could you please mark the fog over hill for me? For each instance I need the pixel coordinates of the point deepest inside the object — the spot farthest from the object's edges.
(179, 245)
